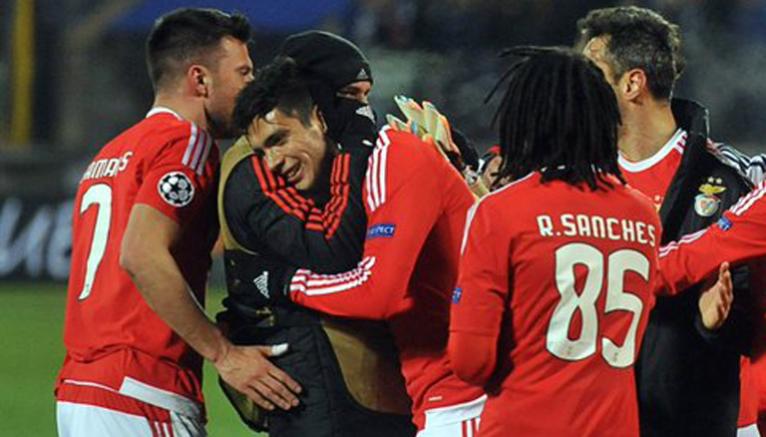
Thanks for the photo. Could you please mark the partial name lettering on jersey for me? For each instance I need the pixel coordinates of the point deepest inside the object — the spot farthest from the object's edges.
(107, 167)
(593, 226)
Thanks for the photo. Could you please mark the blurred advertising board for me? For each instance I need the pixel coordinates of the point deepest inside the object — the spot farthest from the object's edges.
(35, 238)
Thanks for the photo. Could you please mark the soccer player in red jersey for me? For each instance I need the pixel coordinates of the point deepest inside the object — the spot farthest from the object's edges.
(144, 224)
(559, 267)
(416, 204)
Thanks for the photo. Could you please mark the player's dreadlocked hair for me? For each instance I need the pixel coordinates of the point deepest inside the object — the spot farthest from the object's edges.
(558, 116)
(278, 85)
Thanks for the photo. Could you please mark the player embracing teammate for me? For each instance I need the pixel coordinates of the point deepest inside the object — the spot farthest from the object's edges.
(144, 224)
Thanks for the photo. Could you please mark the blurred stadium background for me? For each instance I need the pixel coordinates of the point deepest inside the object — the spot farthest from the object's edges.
(73, 76)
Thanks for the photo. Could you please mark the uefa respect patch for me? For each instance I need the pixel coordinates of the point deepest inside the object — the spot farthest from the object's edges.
(176, 189)
(456, 295)
(383, 230)
(724, 223)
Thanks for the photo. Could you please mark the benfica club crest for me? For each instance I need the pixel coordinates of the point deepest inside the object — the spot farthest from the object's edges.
(707, 202)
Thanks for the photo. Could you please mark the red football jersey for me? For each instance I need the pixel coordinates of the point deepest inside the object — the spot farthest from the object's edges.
(416, 206)
(562, 279)
(653, 175)
(112, 338)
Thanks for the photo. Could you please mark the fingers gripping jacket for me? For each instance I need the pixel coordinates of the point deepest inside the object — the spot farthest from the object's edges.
(351, 386)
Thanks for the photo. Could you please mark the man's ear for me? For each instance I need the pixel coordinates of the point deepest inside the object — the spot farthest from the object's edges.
(198, 79)
(320, 118)
(634, 84)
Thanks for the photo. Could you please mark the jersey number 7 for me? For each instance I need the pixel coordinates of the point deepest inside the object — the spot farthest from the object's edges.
(100, 195)
(617, 299)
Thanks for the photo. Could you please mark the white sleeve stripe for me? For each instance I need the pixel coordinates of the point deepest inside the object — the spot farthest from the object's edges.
(686, 239)
(744, 199)
(203, 144)
(337, 288)
(314, 285)
(190, 146)
(376, 172)
(205, 155)
(314, 280)
(304, 275)
(472, 210)
(748, 201)
(368, 182)
(375, 178)
(468, 221)
(383, 159)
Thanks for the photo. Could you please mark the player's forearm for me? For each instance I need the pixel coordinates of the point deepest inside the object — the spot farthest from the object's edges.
(472, 356)
(358, 293)
(690, 261)
(166, 292)
(355, 303)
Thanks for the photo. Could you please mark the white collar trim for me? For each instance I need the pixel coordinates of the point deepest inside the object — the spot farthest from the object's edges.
(160, 109)
(677, 141)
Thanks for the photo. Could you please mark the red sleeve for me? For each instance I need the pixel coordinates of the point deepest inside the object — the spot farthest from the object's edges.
(181, 177)
(403, 203)
(479, 300)
(738, 236)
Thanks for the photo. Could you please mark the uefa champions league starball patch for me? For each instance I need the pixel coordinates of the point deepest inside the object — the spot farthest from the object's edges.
(176, 189)
(707, 203)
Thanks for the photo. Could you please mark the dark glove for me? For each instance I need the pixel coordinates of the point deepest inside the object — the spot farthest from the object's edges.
(256, 279)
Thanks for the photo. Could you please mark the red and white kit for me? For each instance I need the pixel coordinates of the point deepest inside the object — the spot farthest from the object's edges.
(416, 206)
(120, 356)
(560, 280)
(652, 176)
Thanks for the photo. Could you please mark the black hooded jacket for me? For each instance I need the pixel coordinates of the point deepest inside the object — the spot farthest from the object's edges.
(687, 376)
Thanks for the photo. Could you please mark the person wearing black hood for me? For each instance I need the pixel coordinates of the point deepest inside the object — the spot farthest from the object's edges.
(349, 371)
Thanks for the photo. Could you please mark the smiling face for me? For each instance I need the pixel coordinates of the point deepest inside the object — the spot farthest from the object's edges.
(292, 149)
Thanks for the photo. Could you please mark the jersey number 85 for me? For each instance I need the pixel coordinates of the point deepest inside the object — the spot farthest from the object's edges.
(617, 264)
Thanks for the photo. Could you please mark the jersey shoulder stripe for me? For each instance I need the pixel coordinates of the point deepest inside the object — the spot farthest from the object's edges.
(748, 200)
(197, 149)
(472, 210)
(375, 180)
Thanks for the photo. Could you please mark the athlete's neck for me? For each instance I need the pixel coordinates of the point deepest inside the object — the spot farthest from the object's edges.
(645, 129)
(189, 108)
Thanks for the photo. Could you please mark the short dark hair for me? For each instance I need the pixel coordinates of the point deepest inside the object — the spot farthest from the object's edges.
(278, 85)
(558, 116)
(188, 35)
(637, 38)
